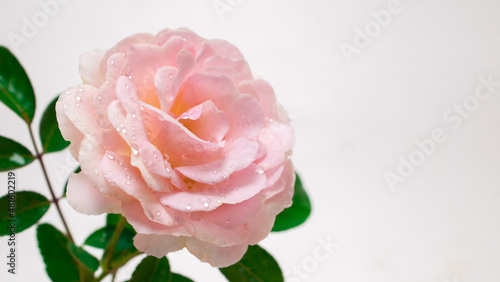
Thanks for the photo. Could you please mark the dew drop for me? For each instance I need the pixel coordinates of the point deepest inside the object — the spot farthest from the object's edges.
(198, 147)
(124, 130)
(128, 182)
(110, 157)
(188, 207)
(78, 98)
(77, 105)
(96, 171)
(259, 171)
(80, 89)
(157, 213)
(65, 106)
(149, 214)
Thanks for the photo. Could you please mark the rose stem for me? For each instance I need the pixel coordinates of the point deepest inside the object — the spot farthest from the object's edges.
(110, 248)
(54, 198)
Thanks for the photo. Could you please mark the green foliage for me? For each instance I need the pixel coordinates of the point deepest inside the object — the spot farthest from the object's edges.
(296, 214)
(257, 265)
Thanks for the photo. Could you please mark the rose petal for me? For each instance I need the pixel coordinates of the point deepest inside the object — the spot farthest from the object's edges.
(173, 139)
(238, 154)
(206, 121)
(200, 87)
(85, 198)
(230, 216)
(120, 173)
(216, 256)
(158, 245)
(89, 67)
(135, 215)
(246, 117)
(242, 185)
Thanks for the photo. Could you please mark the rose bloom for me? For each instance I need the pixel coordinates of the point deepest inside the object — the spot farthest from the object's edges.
(175, 133)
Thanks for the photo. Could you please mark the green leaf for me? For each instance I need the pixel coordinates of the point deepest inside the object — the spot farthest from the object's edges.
(13, 155)
(59, 263)
(50, 135)
(176, 277)
(152, 269)
(100, 238)
(124, 249)
(16, 91)
(29, 208)
(112, 220)
(77, 170)
(257, 265)
(297, 213)
(84, 257)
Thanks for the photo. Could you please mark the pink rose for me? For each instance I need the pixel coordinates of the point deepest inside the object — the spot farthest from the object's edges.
(175, 133)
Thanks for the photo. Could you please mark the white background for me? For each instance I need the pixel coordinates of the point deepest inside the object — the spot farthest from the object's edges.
(353, 121)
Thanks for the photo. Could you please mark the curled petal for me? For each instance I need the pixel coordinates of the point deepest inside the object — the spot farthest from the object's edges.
(242, 185)
(158, 245)
(89, 67)
(214, 255)
(85, 198)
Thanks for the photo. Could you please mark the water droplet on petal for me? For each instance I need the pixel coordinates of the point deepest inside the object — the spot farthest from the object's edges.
(78, 98)
(158, 213)
(110, 156)
(96, 171)
(198, 147)
(77, 105)
(259, 171)
(124, 130)
(205, 204)
(134, 149)
(149, 214)
(188, 207)
(128, 182)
